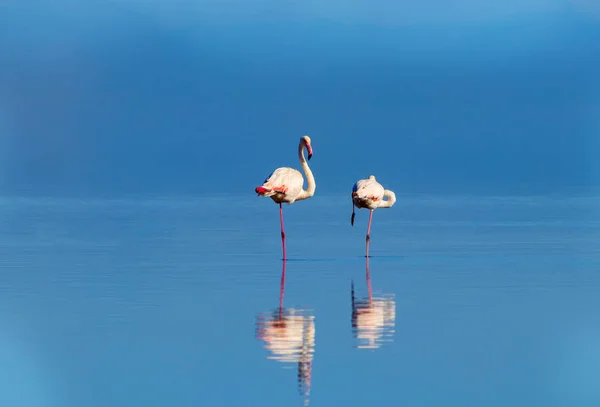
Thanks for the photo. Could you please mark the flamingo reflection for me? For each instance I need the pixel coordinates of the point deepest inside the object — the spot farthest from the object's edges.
(289, 336)
(373, 319)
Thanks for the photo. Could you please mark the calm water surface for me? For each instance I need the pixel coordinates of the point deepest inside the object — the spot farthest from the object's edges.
(182, 302)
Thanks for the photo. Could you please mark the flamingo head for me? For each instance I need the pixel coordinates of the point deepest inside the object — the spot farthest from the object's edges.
(306, 141)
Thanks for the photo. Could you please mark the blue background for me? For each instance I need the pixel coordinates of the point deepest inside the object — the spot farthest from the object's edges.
(113, 97)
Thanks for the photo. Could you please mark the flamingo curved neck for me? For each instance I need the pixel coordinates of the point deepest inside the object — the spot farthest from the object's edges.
(310, 191)
(390, 201)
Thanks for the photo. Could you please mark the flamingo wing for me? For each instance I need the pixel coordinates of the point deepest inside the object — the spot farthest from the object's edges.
(367, 193)
(284, 181)
(368, 188)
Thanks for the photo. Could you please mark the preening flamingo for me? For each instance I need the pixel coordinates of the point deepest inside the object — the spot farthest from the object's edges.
(285, 184)
(368, 193)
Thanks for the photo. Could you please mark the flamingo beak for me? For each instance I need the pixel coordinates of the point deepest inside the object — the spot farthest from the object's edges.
(309, 148)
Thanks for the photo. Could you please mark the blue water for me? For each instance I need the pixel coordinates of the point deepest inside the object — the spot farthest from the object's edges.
(176, 302)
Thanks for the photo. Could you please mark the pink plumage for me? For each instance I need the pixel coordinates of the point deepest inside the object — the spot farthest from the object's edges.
(370, 194)
(367, 193)
(284, 185)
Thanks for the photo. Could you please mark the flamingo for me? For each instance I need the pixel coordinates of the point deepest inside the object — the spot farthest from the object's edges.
(285, 184)
(368, 193)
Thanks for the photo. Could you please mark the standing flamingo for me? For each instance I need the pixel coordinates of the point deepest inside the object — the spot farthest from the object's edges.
(285, 184)
(368, 193)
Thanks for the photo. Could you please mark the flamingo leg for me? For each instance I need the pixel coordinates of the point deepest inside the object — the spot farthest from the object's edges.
(282, 291)
(369, 231)
(282, 231)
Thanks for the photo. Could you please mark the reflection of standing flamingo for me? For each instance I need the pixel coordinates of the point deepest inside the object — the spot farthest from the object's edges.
(373, 321)
(290, 337)
(368, 193)
(285, 184)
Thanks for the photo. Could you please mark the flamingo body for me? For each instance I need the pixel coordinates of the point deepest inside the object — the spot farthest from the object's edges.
(283, 185)
(367, 193)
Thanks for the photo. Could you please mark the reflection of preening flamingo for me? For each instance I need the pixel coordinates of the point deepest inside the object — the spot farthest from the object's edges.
(285, 184)
(290, 337)
(372, 320)
(368, 193)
